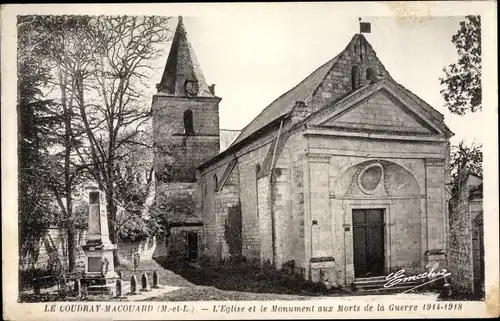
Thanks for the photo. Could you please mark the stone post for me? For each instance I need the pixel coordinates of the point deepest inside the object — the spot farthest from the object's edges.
(119, 288)
(133, 285)
(145, 282)
(36, 287)
(156, 280)
(78, 287)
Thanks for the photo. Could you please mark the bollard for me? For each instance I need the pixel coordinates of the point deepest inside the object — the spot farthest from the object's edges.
(446, 291)
(133, 285)
(156, 280)
(145, 285)
(119, 288)
(78, 287)
(36, 287)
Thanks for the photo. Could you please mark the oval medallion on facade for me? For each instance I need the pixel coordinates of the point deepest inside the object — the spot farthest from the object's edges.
(370, 178)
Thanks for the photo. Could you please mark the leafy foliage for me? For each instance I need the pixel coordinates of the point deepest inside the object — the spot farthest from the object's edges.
(462, 81)
(47, 44)
(36, 211)
(465, 160)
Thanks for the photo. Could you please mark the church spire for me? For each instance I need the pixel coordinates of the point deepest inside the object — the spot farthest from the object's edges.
(182, 75)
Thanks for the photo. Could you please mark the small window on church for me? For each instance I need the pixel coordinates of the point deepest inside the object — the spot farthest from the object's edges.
(188, 122)
(369, 74)
(354, 77)
(215, 183)
(257, 169)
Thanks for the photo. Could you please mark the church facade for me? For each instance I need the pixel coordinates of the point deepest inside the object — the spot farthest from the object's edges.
(342, 177)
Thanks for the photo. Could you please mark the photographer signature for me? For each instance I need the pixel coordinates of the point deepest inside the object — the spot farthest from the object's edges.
(399, 277)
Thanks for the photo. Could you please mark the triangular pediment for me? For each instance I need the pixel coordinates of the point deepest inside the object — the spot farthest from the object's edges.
(380, 108)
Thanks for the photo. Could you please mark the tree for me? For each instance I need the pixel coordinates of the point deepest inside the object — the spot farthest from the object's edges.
(35, 207)
(60, 50)
(462, 80)
(465, 160)
(99, 66)
(66, 51)
(135, 189)
(116, 115)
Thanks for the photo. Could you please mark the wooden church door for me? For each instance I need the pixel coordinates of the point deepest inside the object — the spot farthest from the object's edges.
(192, 246)
(368, 235)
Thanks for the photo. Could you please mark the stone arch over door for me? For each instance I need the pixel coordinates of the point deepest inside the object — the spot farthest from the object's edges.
(398, 181)
(396, 193)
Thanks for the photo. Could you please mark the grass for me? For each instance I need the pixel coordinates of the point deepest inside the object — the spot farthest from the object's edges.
(206, 284)
(241, 281)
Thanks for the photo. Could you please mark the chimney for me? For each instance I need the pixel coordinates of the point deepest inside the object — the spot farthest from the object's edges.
(299, 111)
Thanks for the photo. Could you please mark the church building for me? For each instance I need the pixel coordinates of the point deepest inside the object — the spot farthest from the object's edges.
(341, 177)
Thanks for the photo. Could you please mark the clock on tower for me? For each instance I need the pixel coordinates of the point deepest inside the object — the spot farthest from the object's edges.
(191, 87)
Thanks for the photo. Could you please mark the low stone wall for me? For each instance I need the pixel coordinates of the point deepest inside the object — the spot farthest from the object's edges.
(147, 249)
(53, 250)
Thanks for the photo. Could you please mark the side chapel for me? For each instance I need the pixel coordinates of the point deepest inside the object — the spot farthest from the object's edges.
(341, 177)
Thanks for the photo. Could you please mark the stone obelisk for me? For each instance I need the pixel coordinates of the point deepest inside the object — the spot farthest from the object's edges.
(99, 262)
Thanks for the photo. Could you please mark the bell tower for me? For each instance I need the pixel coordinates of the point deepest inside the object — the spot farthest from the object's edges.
(185, 114)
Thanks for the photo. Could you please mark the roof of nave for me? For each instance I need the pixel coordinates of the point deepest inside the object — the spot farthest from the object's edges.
(305, 90)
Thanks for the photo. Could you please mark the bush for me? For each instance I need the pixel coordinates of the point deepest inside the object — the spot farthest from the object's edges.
(42, 276)
(135, 229)
(209, 261)
(239, 273)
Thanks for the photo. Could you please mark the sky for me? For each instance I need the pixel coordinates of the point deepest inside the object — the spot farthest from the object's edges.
(252, 59)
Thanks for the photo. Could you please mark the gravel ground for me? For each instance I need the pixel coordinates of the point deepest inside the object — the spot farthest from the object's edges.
(166, 277)
(209, 293)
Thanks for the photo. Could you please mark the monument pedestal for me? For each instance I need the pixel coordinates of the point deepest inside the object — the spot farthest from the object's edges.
(100, 275)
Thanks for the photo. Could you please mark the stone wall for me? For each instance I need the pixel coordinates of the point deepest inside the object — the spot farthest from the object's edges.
(226, 199)
(381, 112)
(398, 195)
(177, 244)
(283, 222)
(53, 250)
(291, 165)
(252, 156)
(337, 82)
(148, 249)
(220, 194)
(187, 150)
(436, 202)
(265, 219)
(248, 158)
(464, 240)
(411, 168)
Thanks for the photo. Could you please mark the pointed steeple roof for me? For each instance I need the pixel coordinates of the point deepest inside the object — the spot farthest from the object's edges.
(182, 67)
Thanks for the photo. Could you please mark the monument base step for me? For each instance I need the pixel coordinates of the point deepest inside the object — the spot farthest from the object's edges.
(100, 289)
